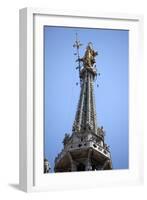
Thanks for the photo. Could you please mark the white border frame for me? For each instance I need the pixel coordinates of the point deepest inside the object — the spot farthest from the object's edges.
(31, 100)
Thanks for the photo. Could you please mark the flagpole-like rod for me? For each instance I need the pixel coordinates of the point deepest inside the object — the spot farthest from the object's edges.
(77, 45)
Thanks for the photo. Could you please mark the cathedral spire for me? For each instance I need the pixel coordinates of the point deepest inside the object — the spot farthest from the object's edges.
(85, 148)
(85, 119)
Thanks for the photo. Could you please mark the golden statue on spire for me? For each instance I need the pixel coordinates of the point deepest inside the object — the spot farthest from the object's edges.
(88, 60)
(89, 57)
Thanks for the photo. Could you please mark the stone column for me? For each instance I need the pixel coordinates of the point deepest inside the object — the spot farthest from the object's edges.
(88, 165)
(73, 165)
(88, 114)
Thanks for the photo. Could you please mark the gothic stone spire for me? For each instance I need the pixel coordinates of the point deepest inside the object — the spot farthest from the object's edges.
(85, 119)
(85, 148)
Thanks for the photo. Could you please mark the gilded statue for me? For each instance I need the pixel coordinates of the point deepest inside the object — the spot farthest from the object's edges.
(89, 57)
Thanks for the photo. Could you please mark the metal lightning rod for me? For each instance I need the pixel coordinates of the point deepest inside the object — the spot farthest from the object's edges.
(77, 45)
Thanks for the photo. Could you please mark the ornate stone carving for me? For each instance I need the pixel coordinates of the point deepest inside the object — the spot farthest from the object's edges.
(46, 166)
(85, 148)
(66, 139)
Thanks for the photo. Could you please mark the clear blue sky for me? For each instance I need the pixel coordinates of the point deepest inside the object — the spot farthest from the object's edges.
(61, 92)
